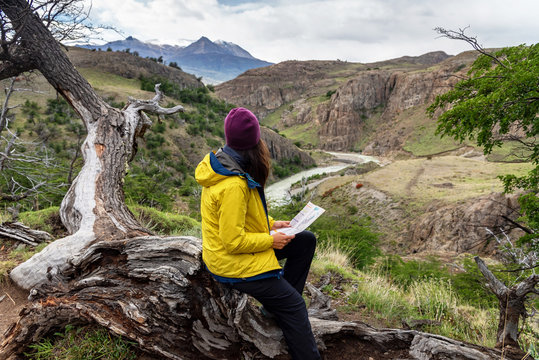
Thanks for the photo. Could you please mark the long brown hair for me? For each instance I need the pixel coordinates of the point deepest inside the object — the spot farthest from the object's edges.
(257, 162)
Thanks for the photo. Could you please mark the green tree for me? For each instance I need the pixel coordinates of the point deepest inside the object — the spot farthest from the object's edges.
(498, 99)
(496, 102)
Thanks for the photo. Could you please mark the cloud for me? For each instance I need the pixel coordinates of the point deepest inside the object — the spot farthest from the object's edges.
(354, 30)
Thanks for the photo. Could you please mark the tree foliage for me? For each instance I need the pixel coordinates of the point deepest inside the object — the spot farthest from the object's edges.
(498, 101)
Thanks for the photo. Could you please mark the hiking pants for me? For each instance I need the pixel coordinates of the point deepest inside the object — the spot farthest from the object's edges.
(282, 296)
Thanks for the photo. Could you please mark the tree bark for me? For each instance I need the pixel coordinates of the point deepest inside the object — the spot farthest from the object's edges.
(93, 208)
(511, 304)
(154, 291)
(18, 232)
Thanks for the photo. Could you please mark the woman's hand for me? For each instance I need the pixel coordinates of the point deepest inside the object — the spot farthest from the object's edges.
(280, 240)
(280, 225)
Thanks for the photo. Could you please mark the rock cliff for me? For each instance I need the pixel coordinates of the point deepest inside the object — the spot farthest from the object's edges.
(467, 227)
(283, 149)
(340, 98)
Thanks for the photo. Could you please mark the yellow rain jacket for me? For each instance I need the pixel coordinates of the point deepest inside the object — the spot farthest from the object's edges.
(235, 230)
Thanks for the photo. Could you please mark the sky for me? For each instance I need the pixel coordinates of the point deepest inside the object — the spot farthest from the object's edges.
(352, 30)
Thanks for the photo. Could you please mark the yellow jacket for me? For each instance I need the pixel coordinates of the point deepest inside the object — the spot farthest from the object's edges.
(235, 231)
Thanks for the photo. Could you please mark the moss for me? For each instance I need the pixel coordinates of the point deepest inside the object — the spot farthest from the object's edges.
(45, 220)
(5, 267)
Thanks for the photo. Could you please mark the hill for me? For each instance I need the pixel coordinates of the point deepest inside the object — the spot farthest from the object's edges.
(161, 174)
(214, 62)
(345, 106)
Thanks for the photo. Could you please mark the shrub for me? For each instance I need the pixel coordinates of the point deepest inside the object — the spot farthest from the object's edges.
(355, 239)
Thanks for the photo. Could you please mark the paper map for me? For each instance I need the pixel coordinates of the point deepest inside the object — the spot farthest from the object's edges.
(302, 220)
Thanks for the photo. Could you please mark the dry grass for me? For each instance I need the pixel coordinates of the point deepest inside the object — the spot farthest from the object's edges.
(420, 180)
(330, 254)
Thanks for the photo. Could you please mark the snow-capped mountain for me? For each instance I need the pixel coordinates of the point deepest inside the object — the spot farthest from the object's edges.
(215, 62)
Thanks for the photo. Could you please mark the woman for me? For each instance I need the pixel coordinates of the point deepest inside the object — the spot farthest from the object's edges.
(237, 247)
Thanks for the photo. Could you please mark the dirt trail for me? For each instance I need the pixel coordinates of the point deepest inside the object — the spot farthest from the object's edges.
(14, 300)
(413, 181)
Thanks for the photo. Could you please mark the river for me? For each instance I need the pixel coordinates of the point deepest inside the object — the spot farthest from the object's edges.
(278, 193)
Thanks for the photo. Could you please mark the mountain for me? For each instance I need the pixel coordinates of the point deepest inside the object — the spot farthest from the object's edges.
(215, 62)
(376, 108)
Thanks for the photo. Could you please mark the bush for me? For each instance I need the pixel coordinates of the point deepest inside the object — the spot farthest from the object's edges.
(355, 239)
(469, 284)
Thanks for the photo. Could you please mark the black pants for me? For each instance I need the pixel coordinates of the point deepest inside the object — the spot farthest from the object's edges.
(282, 296)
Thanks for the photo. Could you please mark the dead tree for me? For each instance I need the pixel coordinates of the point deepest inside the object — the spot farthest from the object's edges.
(18, 232)
(511, 303)
(152, 290)
(13, 190)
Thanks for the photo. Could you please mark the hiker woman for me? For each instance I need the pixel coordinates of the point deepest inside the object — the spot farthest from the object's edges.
(237, 247)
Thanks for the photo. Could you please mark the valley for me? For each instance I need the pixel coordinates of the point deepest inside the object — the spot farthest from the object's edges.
(427, 202)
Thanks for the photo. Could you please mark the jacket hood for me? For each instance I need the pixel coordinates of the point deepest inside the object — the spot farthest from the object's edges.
(216, 167)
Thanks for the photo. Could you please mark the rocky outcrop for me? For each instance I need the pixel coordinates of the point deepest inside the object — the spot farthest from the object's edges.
(463, 228)
(264, 90)
(387, 93)
(355, 94)
(281, 148)
(351, 105)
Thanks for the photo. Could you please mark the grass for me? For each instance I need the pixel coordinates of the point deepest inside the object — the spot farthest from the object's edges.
(114, 85)
(422, 141)
(164, 223)
(83, 343)
(24, 253)
(272, 120)
(395, 292)
(14, 256)
(304, 133)
(510, 151)
(5, 267)
(40, 219)
(376, 295)
(416, 179)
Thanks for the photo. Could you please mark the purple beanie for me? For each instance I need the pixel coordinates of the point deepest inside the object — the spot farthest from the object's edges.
(242, 130)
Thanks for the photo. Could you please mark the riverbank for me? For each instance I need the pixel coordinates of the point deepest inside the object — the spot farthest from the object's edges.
(280, 193)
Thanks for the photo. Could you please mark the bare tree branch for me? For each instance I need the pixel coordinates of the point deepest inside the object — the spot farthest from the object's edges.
(495, 285)
(472, 40)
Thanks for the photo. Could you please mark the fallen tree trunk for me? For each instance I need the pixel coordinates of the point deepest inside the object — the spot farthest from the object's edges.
(19, 232)
(153, 291)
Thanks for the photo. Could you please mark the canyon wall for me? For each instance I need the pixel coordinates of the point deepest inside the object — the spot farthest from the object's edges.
(340, 98)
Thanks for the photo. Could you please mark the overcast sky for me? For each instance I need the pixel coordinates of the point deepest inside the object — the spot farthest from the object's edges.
(353, 30)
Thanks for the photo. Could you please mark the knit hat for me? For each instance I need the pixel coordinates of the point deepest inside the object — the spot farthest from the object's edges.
(242, 130)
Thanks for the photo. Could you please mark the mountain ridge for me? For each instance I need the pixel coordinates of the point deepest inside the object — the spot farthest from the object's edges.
(339, 105)
(214, 62)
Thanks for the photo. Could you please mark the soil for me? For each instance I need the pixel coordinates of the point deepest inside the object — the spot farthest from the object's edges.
(14, 300)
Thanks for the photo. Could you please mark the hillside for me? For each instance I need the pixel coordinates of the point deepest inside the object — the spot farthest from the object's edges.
(162, 172)
(338, 105)
(129, 66)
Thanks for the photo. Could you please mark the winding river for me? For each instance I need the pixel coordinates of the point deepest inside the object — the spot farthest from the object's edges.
(278, 193)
